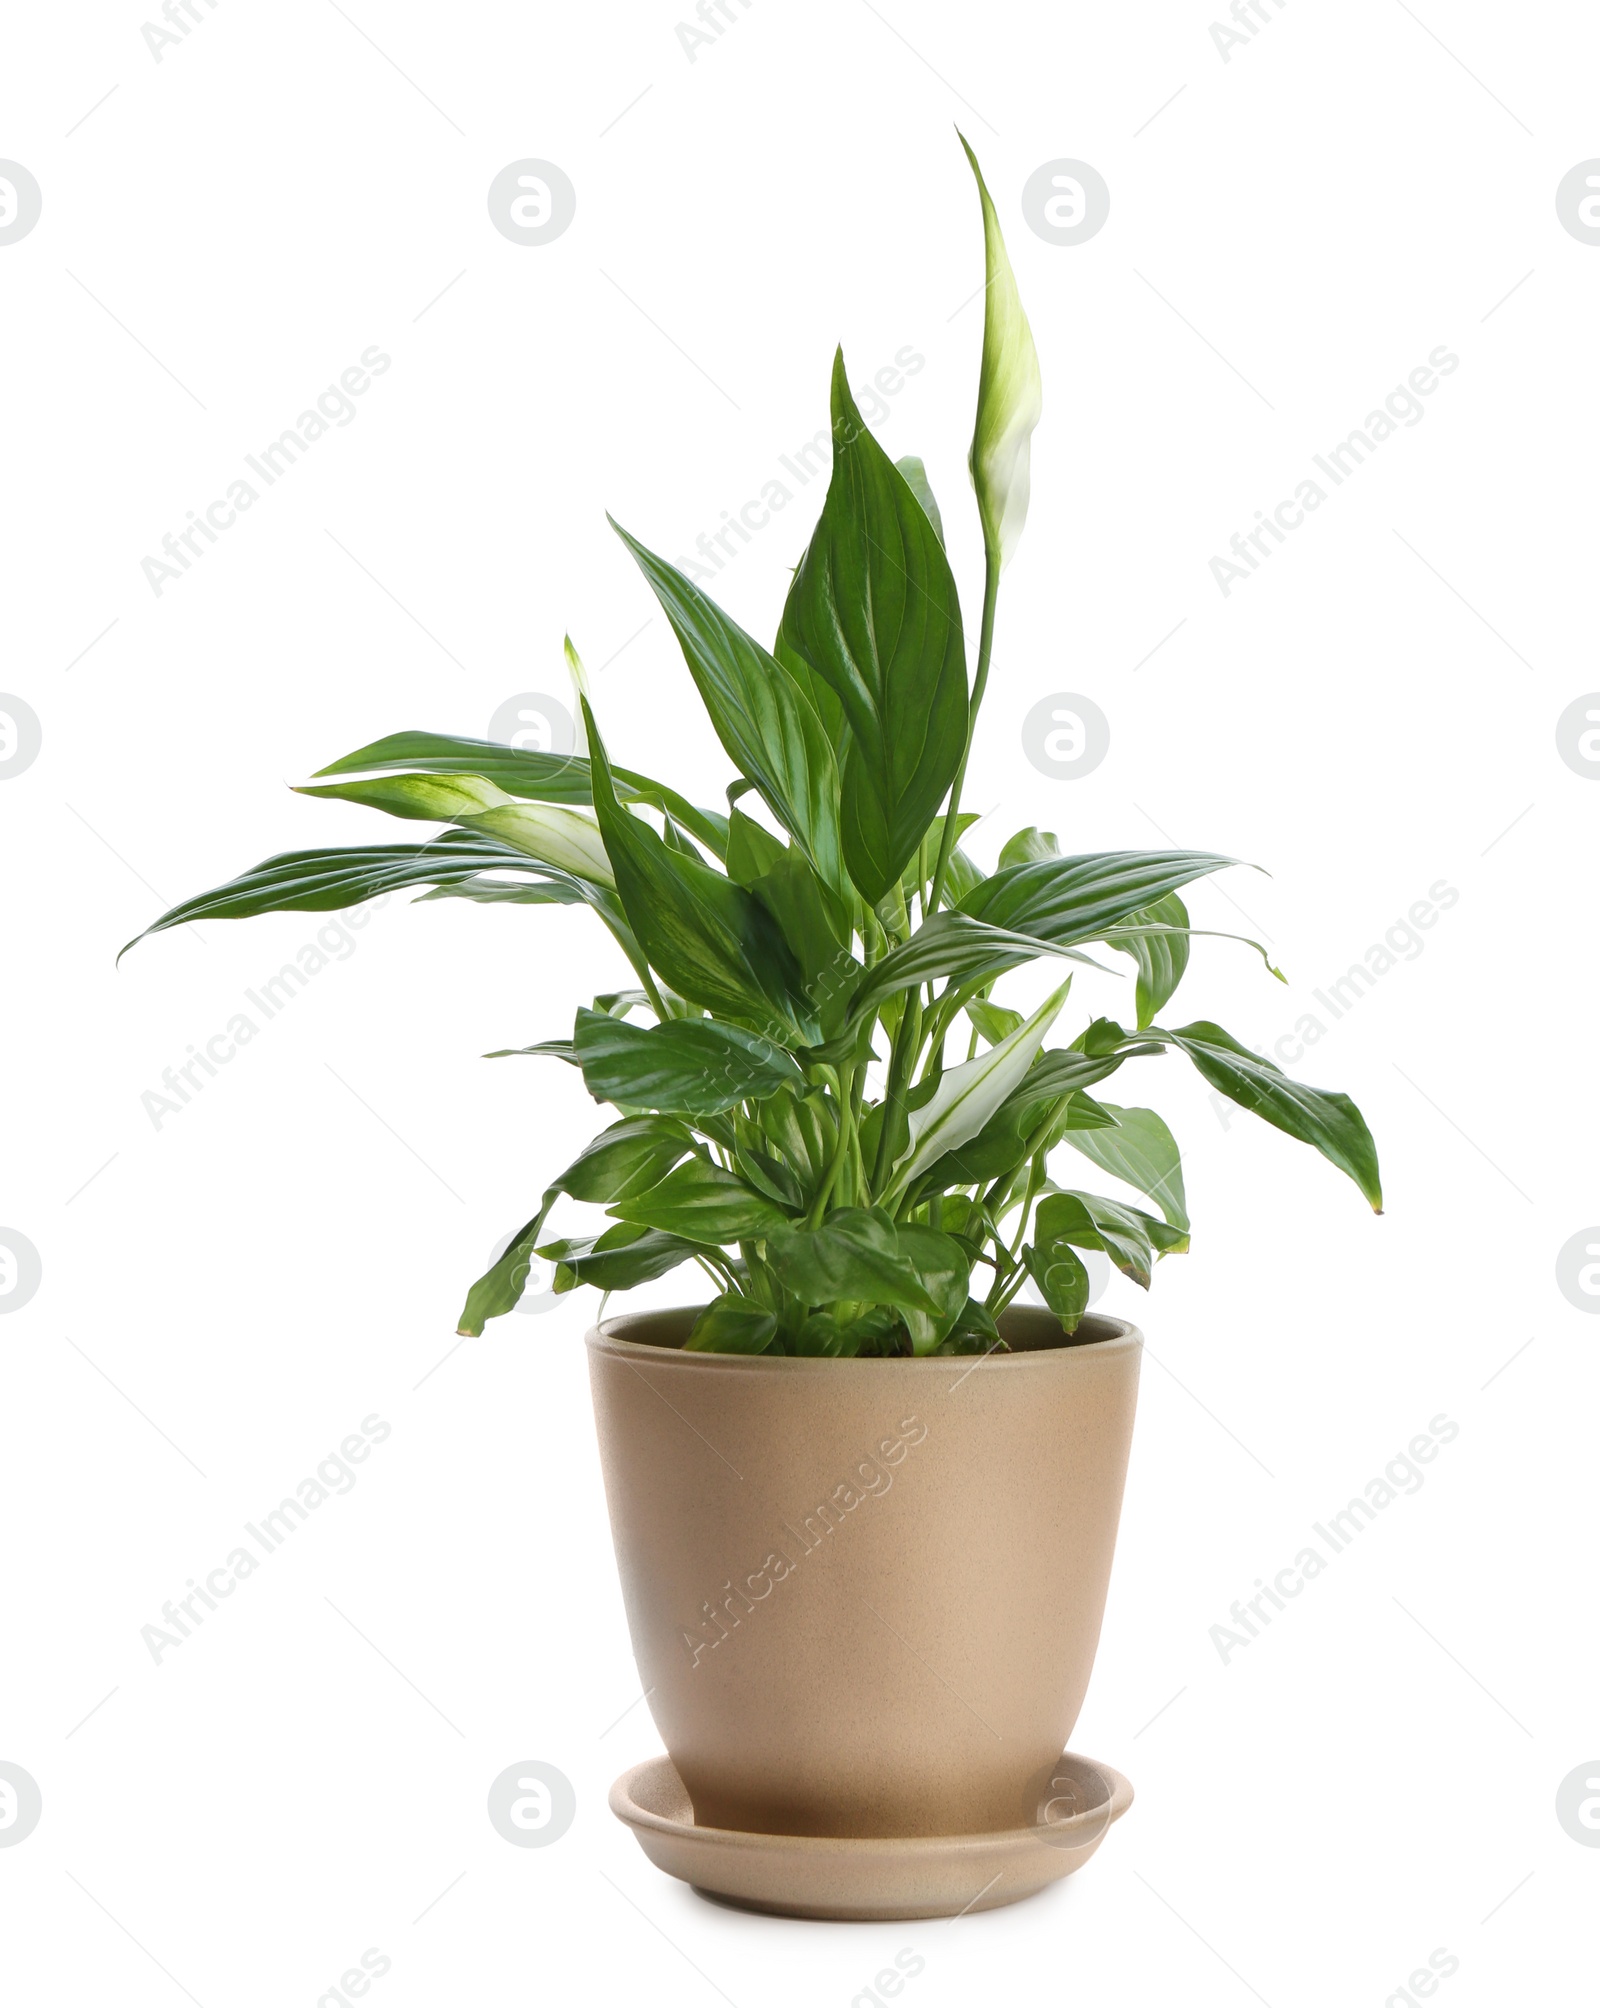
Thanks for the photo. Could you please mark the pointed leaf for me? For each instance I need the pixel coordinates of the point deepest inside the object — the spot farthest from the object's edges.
(874, 613)
(1075, 899)
(1143, 1152)
(688, 1066)
(969, 1095)
(715, 943)
(767, 727)
(1329, 1122)
(702, 1202)
(731, 1324)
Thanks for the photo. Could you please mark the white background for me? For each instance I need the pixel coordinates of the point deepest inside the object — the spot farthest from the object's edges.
(1374, 710)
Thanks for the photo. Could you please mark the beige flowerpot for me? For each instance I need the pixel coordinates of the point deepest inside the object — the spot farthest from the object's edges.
(865, 1595)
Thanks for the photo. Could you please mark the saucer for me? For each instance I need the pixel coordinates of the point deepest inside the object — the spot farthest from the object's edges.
(804, 1875)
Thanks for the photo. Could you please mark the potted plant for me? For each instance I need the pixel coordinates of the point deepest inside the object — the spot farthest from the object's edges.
(864, 1499)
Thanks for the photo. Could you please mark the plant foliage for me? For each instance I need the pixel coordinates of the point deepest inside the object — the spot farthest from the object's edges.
(821, 1102)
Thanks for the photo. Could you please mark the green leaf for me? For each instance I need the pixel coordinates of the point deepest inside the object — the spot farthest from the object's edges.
(944, 1269)
(767, 727)
(873, 612)
(731, 1324)
(1143, 1152)
(702, 1202)
(715, 943)
(537, 777)
(1075, 899)
(1059, 1272)
(1084, 1220)
(1329, 1122)
(498, 1288)
(687, 1066)
(1160, 959)
(752, 851)
(1010, 396)
(1028, 847)
(494, 892)
(631, 1156)
(994, 1021)
(323, 881)
(814, 925)
(956, 945)
(621, 1258)
(854, 1257)
(968, 1095)
(916, 477)
(561, 837)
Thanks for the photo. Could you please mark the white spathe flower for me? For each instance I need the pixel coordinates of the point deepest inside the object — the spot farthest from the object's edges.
(1010, 393)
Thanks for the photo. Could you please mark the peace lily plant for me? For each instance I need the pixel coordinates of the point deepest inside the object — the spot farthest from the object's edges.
(821, 1102)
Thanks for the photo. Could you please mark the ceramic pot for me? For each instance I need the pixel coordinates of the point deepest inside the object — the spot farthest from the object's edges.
(865, 1595)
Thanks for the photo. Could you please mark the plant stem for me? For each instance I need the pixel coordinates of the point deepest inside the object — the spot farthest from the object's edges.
(947, 842)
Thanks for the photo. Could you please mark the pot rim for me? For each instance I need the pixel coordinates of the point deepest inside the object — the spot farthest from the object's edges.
(1119, 1336)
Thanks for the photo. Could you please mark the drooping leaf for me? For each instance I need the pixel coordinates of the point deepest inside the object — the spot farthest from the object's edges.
(1085, 1220)
(731, 1324)
(715, 943)
(631, 1156)
(874, 613)
(1059, 1272)
(323, 881)
(1329, 1122)
(1010, 397)
(853, 1257)
(1141, 1150)
(766, 724)
(968, 1095)
(702, 1202)
(1160, 959)
(537, 777)
(687, 1066)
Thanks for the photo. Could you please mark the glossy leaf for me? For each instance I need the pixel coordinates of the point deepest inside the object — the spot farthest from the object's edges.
(1143, 1152)
(324, 881)
(702, 1202)
(767, 726)
(1057, 1268)
(916, 476)
(1064, 900)
(687, 1066)
(731, 1324)
(1084, 1220)
(854, 1257)
(943, 1268)
(873, 612)
(620, 1259)
(715, 943)
(969, 1095)
(960, 947)
(1329, 1122)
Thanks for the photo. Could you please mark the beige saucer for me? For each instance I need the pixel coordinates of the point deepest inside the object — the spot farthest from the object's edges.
(811, 1876)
